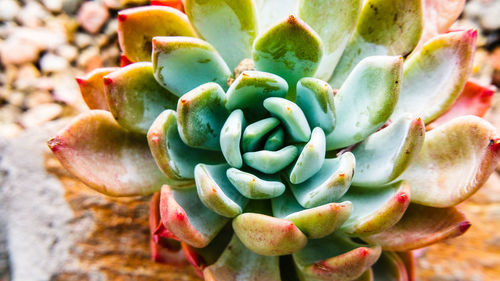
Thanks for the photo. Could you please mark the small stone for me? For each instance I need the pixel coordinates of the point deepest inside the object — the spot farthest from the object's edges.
(92, 16)
(69, 52)
(9, 113)
(8, 10)
(33, 14)
(53, 63)
(66, 90)
(70, 6)
(53, 5)
(40, 114)
(38, 97)
(83, 40)
(17, 51)
(27, 77)
(16, 99)
(90, 59)
(10, 130)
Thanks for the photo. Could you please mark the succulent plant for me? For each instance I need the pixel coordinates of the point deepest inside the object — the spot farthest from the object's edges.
(310, 140)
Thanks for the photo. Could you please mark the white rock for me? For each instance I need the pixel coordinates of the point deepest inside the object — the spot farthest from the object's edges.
(53, 5)
(8, 10)
(40, 114)
(33, 14)
(92, 16)
(53, 63)
(83, 40)
(18, 51)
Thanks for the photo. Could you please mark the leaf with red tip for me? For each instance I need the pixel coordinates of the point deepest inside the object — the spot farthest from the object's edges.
(334, 257)
(124, 61)
(474, 100)
(186, 217)
(95, 149)
(455, 160)
(177, 4)
(92, 88)
(439, 16)
(421, 226)
(137, 26)
(240, 264)
(375, 210)
(268, 236)
(390, 267)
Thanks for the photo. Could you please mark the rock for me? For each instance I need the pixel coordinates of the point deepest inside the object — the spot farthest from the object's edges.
(33, 14)
(92, 16)
(8, 130)
(40, 114)
(53, 63)
(35, 98)
(16, 99)
(17, 51)
(485, 11)
(69, 52)
(89, 59)
(8, 10)
(83, 40)
(26, 77)
(66, 90)
(9, 113)
(53, 5)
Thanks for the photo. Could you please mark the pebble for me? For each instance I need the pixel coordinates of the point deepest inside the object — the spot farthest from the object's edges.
(90, 59)
(27, 77)
(69, 52)
(33, 14)
(10, 130)
(83, 40)
(8, 10)
(53, 63)
(35, 98)
(92, 16)
(40, 114)
(53, 5)
(18, 51)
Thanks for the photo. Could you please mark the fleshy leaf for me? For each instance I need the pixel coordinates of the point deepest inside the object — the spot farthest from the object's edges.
(315, 98)
(435, 75)
(385, 27)
(177, 4)
(186, 217)
(254, 133)
(270, 162)
(275, 140)
(240, 264)
(236, 17)
(376, 210)
(421, 226)
(251, 88)
(366, 276)
(334, 257)
(92, 88)
(315, 222)
(255, 186)
(390, 267)
(169, 151)
(216, 192)
(334, 20)
(329, 184)
(290, 49)
(409, 261)
(439, 17)
(230, 137)
(311, 158)
(366, 100)
(267, 235)
(135, 98)
(291, 116)
(474, 100)
(137, 26)
(270, 12)
(100, 153)
(384, 155)
(201, 115)
(183, 63)
(455, 160)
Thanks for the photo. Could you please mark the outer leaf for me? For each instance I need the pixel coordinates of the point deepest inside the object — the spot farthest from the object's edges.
(390, 267)
(240, 264)
(236, 17)
(315, 98)
(384, 155)
(268, 236)
(421, 226)
(455, 160)
(230, 137)
(186, 217)
(270, 162)
(334, 257)
(255, 187)
(366, 276)
(273, 11)
(290, 49)
(135, 98)
(92, 88)
(439, 16)
(334, 20)
(95, 149)
(169, 151)
(385, 27)
(376, 210)
(177, 4)
(291, 116)
(425, 92)
(366, 100)
(201, 116)
(137, 26)
(311, 158)
(183, 63)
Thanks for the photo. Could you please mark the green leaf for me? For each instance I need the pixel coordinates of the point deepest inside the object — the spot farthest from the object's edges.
(183, 63)
(169, 151)
(270, 162)
(290, 49)
(376, 210)
(255, 186)
(334, 20)
(384, 155)
(454, 162)
(255, 132)
(202, 115)
(276, 140)
(240, 264)
(385, 27)
(315, 98)
(230, 137)
(216, 191)
(183, 214)
(137, 26)
(267, 235)
(390, 267)
(366, 100)
(236, 17)
(106, 157)
(421, 226)
(435, 75)
(251, 88)
(327, 185)
(291, 116)
(135, 98)
(334, 257)
(311, 158)
(93, 89)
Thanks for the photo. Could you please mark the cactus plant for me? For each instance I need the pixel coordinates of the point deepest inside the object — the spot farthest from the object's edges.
(290, 139)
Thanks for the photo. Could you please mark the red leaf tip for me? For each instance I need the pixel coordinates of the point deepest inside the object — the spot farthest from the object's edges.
(79, 80)
(292, 19)
(363, 252)
(180, 216)
(495, 144)
(107, 80)
(122, 17)
(54, 144)
(464, 226)
(472, 33)
(402, 197)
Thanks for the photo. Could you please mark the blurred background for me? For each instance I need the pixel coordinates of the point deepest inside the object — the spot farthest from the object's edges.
(54, 228)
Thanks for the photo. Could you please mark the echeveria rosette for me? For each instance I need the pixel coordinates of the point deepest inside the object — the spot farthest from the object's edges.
(268, 172)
